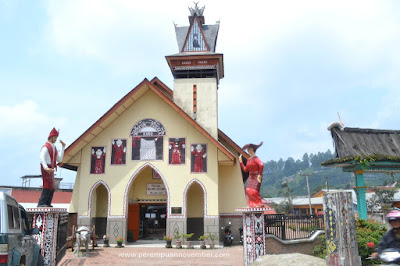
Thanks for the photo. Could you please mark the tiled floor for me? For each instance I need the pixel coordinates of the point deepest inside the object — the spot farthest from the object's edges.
(157, 256)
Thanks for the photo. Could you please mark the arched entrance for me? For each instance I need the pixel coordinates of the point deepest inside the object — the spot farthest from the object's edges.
(147, 205)
(99, 208)
(195, 210)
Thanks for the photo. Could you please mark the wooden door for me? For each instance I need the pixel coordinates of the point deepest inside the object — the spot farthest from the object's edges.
(133, 220)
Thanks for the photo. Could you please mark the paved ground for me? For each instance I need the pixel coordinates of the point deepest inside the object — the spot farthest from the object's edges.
(139, 255)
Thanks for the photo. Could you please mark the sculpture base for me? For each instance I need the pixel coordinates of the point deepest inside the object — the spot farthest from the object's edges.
(48, 220)
(253, 233)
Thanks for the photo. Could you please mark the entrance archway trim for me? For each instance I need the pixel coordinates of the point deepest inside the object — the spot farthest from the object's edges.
(98, 183)
(195, 180)
(133, 177)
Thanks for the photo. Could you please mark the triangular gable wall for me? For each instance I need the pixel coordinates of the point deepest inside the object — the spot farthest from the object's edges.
(195, 41)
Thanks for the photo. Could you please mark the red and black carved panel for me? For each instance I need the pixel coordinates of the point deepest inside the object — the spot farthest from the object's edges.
(176, 150)
(118, 151)
(147, 140)
(98, 160)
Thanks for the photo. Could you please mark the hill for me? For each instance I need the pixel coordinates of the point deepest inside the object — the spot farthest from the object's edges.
(277, 172)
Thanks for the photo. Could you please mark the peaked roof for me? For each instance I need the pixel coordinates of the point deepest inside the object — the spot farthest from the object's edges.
(364, 142)
(210, 33)
(161, 90)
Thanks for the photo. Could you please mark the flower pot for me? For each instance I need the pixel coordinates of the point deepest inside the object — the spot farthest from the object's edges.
(106, 242)
(178, 244)
(212, 245)
(119, 244)
(168, 244)
(202, 244)
(189, 244)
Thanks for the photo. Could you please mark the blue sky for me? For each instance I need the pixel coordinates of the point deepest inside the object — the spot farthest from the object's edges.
(289, 68)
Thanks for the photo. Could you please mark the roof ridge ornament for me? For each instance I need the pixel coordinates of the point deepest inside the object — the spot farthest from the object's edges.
(196, 10)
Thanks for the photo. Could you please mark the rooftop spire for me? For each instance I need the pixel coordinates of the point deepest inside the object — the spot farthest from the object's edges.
(196, 11)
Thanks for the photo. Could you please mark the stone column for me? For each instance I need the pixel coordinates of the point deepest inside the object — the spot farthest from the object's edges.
(253, 234)
(340, 227)
(46, 220)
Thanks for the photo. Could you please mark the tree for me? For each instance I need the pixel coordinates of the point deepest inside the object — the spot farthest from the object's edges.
(382, 197)
(306, 161)
(286, 193)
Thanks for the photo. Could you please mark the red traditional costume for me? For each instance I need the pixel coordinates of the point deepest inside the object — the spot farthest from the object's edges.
(49, 157)
(198, 160)
(99, 163)
(118, 153)
(255, 168)
(176, 152)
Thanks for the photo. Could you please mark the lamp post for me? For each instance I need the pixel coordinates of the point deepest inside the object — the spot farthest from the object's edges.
(308, 189)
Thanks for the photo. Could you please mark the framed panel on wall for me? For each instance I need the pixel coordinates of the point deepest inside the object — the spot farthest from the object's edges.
(198, 158)
(98, 160)
(118, 151)
(147, 140)
(176, 150)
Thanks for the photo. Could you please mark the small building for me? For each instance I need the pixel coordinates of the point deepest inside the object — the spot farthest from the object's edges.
(156, 163)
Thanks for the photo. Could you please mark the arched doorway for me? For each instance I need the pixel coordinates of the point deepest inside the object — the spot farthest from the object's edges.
(147, 205)
(99, 209)
(195, 210)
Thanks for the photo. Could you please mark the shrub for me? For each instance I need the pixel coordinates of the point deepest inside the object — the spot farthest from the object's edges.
(367, 232)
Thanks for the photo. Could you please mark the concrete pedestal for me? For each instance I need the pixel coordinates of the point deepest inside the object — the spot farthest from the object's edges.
(253, 234)
(46, 220)
(340, 227)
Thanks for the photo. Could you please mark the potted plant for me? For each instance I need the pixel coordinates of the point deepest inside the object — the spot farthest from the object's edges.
(212, 238)
(105, 240)
(119, 240)
(169, 240)
(178, 241)
(188, 241)
(202, 241)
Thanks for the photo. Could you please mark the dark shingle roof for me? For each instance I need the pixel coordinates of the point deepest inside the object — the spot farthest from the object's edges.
(360, 142)
(210, 35)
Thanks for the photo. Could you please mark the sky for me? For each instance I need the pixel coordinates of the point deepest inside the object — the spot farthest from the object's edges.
(290, 67)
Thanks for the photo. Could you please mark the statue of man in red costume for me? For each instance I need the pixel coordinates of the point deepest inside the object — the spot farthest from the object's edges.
(255, 168)
(49, 156)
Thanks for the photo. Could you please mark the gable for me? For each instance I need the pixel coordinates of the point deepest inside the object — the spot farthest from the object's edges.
(195, 40)
(119, 110)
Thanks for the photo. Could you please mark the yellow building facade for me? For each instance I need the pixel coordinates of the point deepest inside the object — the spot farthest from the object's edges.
(154, 165)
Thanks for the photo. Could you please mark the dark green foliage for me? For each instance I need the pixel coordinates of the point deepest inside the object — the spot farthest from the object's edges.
(276, 172)
(367, 231)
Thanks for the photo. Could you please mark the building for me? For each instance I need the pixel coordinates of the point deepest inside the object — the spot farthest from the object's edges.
(156, 163)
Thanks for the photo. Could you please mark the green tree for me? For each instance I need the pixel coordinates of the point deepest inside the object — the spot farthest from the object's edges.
(286, 193)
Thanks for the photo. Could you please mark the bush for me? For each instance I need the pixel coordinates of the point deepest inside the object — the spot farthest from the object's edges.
(367, 232)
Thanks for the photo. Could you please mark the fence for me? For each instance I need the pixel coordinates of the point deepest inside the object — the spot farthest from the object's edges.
(293, 227)
(62, 236)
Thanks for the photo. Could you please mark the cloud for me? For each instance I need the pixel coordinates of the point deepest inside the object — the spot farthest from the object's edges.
(26, 120)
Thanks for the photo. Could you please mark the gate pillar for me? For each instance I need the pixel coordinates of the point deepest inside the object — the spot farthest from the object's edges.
(253, 233)
(48, 221)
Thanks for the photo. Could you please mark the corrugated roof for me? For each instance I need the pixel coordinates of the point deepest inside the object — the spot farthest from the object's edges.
(210, 34)
(350, 142)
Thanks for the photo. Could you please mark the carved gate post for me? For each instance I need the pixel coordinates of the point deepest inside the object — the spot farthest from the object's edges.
(46, 220)
(253, 234)
(340, 228)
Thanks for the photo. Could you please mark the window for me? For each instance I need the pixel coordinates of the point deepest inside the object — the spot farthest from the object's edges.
(13, 217)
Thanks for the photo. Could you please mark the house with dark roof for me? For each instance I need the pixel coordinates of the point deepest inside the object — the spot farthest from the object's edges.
(156, 164)
(361, 150)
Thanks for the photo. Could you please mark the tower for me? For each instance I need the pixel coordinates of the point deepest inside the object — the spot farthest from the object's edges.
(197, 70)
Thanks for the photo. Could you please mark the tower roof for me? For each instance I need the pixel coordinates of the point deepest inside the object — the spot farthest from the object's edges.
(197, 37)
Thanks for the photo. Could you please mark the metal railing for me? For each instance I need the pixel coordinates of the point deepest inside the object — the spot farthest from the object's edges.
(293, 227)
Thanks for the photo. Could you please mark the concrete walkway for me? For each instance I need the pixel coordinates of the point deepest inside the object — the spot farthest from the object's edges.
(147, 254)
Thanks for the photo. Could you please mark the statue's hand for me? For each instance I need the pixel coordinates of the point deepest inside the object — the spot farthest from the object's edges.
(62, 143)
(240, 158)
(49, 170)
(259, 178)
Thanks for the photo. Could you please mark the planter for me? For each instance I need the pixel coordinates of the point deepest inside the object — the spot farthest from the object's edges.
(168, 245)
(212, 245)
(105, 243)
(189, 244)
(178, 244)
(119, 244)
(203, 244)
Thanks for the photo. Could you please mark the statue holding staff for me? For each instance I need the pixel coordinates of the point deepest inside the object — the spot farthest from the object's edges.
(255, 168)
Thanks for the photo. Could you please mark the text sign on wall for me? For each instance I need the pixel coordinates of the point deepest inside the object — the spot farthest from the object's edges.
(155, 189)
